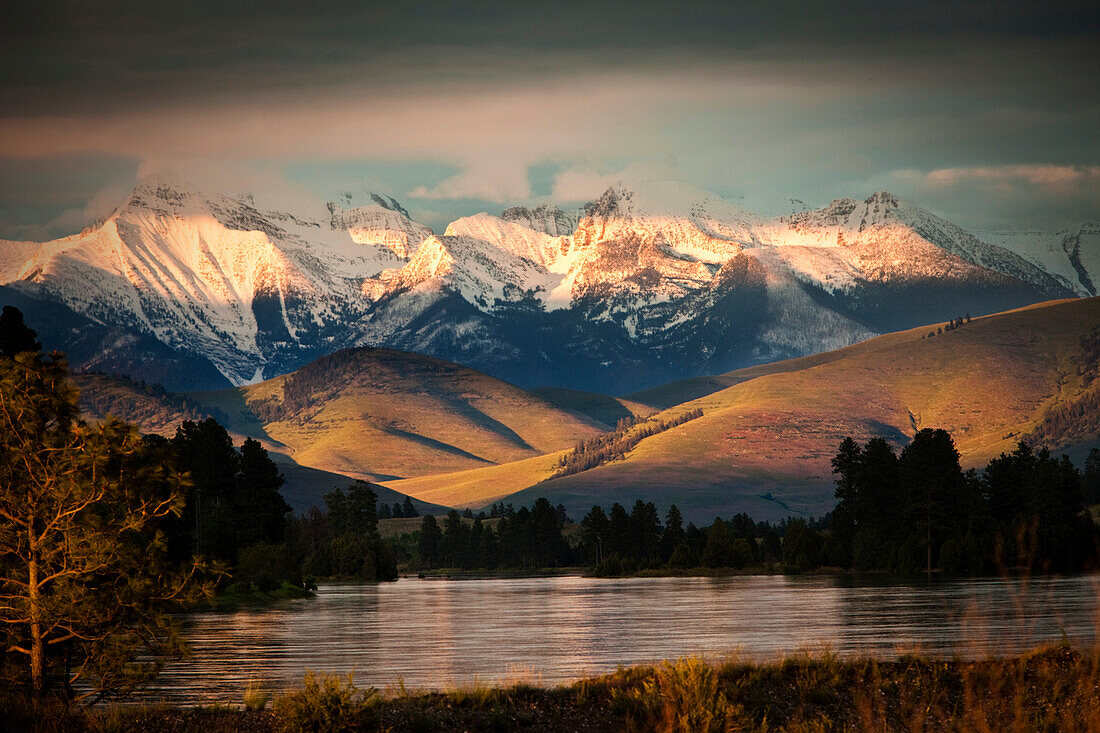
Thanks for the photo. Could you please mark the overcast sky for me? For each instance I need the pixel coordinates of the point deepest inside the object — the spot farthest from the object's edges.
(985, 113)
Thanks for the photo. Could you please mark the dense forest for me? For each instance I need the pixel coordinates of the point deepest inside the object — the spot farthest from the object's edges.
(616, 542)
(919, 510)
(235, 514)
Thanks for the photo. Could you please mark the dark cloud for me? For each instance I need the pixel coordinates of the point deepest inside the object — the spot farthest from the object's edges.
(468, 104)
(101, 53)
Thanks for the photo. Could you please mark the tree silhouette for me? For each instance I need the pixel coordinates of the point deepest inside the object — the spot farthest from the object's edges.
(431, 539)
(15, 336)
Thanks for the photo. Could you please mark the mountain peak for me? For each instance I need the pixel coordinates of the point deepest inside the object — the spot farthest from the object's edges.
(161, 191)
(544, 218)
(609, 204)
(884, 199)
(383, 222)
(389, 202)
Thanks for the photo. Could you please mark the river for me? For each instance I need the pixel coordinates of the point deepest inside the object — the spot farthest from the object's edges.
(436, 634)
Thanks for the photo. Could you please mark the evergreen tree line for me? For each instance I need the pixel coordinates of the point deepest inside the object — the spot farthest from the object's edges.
(954, 323)
(404, 510)
(522, 539)
(340, 541)
(617, 542)
(235, 514)
(607, 447)
(902, 513)
(918, 510)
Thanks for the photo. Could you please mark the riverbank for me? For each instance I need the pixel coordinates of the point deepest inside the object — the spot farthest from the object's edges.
(238, 595)
(1055, 688)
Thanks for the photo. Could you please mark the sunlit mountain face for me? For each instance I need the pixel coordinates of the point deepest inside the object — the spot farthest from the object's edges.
(641, 286)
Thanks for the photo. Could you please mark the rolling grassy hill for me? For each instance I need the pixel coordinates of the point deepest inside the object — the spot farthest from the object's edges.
(767, 433)
(154, 410)
(382, 414)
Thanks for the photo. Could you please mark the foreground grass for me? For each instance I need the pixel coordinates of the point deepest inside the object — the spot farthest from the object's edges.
(1052, 689)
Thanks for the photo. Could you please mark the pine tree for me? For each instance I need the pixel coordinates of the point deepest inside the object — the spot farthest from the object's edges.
(204, 452)
(594, 531)
(618, 531)
(85, 579)
(454, 540)
(719, 551)
(1091, 478)
(362, 508)
(15, 337)
(257, 504)
(848, 465)
(933, 481)
(673, 535)
(430, 541)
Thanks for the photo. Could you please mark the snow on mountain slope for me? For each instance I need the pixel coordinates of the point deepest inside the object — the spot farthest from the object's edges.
(383, 224)
(481, 272)
(884, 239)
(209, 275)
(543, 218)
(1071, 254)
(13, 255)
(689, 222)
(514, 236)
(646, 284)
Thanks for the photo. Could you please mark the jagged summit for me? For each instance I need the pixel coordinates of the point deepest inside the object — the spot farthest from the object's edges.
(650, 282)
(543, 218)
(384, 223)
(389, 202)
(884, 199)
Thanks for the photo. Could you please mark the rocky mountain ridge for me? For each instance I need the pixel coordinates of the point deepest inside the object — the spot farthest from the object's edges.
(641, 286)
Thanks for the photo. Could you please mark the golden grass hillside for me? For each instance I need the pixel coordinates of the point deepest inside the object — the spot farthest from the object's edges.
(382, 414)
(764, 443)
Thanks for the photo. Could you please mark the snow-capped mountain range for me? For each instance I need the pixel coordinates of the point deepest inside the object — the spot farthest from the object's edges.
(644, 285)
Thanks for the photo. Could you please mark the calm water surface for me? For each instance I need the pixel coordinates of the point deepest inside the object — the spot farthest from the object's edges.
(441, 633)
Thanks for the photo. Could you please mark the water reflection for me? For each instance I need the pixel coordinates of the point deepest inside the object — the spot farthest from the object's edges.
(436, 633)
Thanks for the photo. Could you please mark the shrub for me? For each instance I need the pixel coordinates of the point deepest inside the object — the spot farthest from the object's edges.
(683, 697)
(326, 702)
(256, 697)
